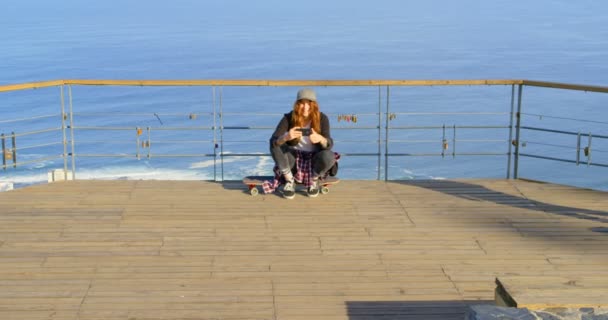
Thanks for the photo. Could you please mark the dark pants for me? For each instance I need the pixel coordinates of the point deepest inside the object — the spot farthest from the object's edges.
(284, 158)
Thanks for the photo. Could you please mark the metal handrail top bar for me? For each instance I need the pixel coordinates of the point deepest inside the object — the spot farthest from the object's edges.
(253, 82)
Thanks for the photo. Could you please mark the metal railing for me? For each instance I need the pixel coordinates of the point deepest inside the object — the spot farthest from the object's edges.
(383, 117)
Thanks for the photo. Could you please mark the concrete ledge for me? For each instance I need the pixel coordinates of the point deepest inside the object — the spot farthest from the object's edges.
(6, 186)
(551, 292)
(547, 298)
(488, 312)
(59, 175)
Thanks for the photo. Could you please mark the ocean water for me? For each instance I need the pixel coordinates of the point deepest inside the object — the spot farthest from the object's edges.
(560, 41)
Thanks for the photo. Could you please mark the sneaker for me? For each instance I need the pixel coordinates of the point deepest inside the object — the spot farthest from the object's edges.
(313, 190)
(289, 190)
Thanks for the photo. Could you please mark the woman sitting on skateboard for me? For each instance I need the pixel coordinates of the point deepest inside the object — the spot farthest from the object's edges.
(301, 146)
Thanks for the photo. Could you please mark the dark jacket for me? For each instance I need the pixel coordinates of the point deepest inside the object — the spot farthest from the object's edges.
(285, 124)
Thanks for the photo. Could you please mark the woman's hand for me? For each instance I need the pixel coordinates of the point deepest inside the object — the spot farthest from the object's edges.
(293, 133)
(317, 138)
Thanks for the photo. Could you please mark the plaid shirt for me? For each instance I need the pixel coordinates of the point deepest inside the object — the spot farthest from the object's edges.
(303, 172)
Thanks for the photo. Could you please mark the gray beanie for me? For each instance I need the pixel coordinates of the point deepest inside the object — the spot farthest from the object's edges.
(308, 94)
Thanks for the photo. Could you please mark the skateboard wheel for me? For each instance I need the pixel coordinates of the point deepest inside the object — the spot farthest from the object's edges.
(324, 190)
(254, 191)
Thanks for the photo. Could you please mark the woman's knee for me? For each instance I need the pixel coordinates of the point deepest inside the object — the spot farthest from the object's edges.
(324, 160)
(326, 156)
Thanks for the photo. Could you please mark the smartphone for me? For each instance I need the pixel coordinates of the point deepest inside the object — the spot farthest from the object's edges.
(305, 131)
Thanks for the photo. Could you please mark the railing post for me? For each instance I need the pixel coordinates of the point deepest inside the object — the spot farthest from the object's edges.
(149, 142)
(138, 132)
(510, 142)
(443, 142)
(454, 143)
(73, 153)
(578, 148)
(388, 91)
(589, 151)
(379, 132)
(14, 141)
(214, 136)
(63, 132)
(517, 132)
(221, 134)
(2, 137)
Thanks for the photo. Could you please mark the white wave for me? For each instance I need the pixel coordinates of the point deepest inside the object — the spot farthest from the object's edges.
(113, 173)
(262, 167)
(409, 174)
(138, 173)
(211, 163)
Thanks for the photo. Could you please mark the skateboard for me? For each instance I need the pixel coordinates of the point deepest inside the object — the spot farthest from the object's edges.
(252, 182)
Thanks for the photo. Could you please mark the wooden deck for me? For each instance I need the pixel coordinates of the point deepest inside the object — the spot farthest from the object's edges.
(367, 250)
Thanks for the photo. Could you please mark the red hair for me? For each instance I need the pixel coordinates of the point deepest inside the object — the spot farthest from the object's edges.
(314, 116)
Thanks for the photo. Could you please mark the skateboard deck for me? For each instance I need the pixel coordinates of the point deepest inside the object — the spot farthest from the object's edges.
(252, 182)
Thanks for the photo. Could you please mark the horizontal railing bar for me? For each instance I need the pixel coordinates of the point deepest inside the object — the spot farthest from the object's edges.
(268, 154)
(564, 132)
(447, 154)
(116, 114)
(29, 133)
(567, 86)
(563, 118)
(355, 128)
(31, 85)
(38, 146)
(251, 114)
(185, 155)
(551, 145)
(266, 141)
(357, 141)
(144, 155)
(353, 113)
(180, 141)
(34, 85)
(273, 127)
(347, 154)
(21, 163)
(248, 127)
(481, 140)
(108, 142)
(415, 141)
(447, 127)
(177, 128)
(105, 128)
(107, 155)
(143, 128)
(278, 83)
(280, 114)
(58, 115)
(449, 113)
(563, 160)
(572, 148)
(245, 141)
(450, 140)
(243, 154)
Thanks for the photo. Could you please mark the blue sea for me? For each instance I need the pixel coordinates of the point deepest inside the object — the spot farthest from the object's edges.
(558, 41)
